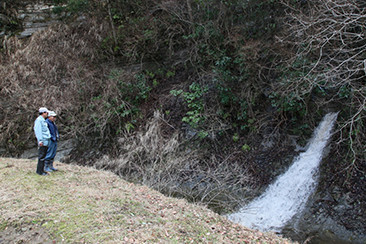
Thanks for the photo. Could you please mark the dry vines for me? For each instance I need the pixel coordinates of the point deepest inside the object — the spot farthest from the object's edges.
(164, 165)
(332, 33)
(50, 71)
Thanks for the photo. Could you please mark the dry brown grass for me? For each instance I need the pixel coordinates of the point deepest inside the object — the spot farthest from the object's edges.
(167, 165)
(55, 68)
(79, 204)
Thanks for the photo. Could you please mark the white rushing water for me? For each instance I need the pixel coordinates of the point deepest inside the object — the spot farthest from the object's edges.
(289, 193)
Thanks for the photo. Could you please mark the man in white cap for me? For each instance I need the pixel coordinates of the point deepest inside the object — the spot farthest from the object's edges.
(43, 138)
(52, 147)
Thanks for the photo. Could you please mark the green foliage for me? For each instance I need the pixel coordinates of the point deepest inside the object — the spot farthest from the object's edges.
(58, 10)
(289, 103)
(57, 2)
(170, 74)
(344, 91)
(9, 22)
(245, 148)
(71, 6)
(230, 100)
(131, 94)
(77, 5)
(235, 137)
(135, 35)
(120, 101)
(129, 127)
(202, 134)
(292, 102)
(141, 89)
(194, 99)
(294, 108)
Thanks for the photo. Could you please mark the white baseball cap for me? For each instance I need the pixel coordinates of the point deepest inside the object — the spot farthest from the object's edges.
(43, 110)
(51, 113)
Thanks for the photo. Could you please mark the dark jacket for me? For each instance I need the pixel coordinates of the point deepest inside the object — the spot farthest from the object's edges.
(53, 130)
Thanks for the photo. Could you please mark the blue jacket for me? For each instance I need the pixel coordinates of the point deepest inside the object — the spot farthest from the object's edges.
(41, 131)
(53, 130)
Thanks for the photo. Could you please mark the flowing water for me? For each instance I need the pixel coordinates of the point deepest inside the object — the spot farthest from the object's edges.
(289, 193)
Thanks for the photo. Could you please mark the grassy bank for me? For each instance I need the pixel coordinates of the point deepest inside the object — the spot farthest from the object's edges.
(84, 205)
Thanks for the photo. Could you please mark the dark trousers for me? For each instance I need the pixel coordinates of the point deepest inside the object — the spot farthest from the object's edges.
(42, 152)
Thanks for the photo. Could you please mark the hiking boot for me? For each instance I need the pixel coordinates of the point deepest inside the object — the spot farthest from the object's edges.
(47, 169)
(52, 168)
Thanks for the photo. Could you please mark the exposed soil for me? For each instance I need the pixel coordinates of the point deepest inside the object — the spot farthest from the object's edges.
(25, 234)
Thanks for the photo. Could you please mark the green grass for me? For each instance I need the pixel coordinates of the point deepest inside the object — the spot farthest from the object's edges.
(79, 204)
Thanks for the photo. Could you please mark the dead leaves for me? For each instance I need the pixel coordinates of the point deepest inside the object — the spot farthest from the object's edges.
(111, 210)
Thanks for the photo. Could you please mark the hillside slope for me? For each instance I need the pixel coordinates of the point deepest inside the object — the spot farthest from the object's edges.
(237, 87)
(80, 204)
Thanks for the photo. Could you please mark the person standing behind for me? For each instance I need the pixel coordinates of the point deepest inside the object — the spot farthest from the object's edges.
(52, 147)
(43, 138)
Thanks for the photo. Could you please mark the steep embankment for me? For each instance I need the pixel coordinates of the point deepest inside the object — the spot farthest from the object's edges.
(236, 85)
(79, 204)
